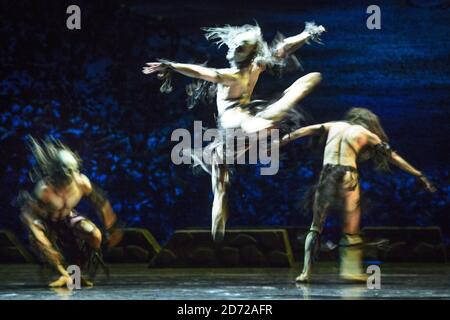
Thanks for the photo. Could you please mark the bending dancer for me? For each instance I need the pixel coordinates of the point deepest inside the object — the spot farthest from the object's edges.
(59, 234)
(359, 136)
(248, 55)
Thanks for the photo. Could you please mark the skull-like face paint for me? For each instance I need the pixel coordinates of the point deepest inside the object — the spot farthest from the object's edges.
(244, 46)
(67, 167)
(242, 52)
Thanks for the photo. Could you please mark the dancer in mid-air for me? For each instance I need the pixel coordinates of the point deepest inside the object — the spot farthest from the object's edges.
(359, 136)
(58, 234)
(249, 55)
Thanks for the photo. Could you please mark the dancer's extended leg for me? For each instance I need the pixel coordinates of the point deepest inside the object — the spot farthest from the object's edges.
(277, 110)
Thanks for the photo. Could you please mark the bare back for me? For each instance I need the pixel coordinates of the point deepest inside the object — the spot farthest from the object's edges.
(344, 142)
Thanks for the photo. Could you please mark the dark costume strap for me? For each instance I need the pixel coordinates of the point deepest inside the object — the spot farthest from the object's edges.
(95, 261)
(341, 167)
(383, 149)
(382, 156)
(315, 243)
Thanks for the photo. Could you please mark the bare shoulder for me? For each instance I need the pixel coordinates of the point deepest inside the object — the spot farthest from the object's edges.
(365, 136)
(84, 183)
(42, 191)
(337, 125)
(228, 76)
(228, 71)
(358, 129)
(258, 67)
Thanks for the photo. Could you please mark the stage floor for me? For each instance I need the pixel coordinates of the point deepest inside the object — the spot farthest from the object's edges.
(398, 281)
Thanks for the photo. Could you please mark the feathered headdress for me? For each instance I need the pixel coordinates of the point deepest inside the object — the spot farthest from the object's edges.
(236, 36)
(53, 160)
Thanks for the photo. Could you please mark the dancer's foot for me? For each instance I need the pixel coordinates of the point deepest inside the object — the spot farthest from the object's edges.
(351, 252)
(356, 277)
(86, 283)
(304, 277)
(62, 281)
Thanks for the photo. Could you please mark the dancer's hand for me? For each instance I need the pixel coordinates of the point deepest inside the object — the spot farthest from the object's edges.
(314, 31)
(321, 29)
(153, 67)
(286, 138)
(427, 184)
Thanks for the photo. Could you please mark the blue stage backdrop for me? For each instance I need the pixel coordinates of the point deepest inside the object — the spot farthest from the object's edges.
(86, 88)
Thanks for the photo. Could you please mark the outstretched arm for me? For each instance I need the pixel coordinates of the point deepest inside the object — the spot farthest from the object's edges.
(291, 44)
(190, 70)
(398, 161)
(305, 131)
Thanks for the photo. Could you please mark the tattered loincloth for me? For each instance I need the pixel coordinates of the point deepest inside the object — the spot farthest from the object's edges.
(333, 183)
(63, 238)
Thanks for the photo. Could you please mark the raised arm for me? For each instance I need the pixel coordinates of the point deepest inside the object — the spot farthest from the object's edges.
(291, 44)
(191, 70)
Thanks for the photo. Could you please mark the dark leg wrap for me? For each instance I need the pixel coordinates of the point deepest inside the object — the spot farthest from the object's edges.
(312, 249)
(95, 261)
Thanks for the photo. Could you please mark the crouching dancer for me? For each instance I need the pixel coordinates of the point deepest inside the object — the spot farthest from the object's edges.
(359, 136)
(58, 234)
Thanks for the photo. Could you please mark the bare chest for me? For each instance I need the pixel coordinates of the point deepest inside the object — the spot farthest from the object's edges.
(61, 202)
(243, 88)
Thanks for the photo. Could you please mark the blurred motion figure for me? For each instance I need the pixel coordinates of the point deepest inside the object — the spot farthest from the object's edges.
(249, 55)
(57, 232)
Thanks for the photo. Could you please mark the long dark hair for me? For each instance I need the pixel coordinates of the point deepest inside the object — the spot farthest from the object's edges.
(369, 120)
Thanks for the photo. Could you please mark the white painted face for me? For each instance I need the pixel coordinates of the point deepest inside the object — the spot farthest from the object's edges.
(245, 44)
(68, 160)
(64, 171)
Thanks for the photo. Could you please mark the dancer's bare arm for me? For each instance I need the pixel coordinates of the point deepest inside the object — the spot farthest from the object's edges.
(99, 200)
(29, 216)
(398, 161)
(291, 44)
(306, 131)
(104, 210)
(192, 70)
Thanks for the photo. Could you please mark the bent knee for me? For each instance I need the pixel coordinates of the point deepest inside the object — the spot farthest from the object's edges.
(313, 78)
(90, 233)
(96, 238)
